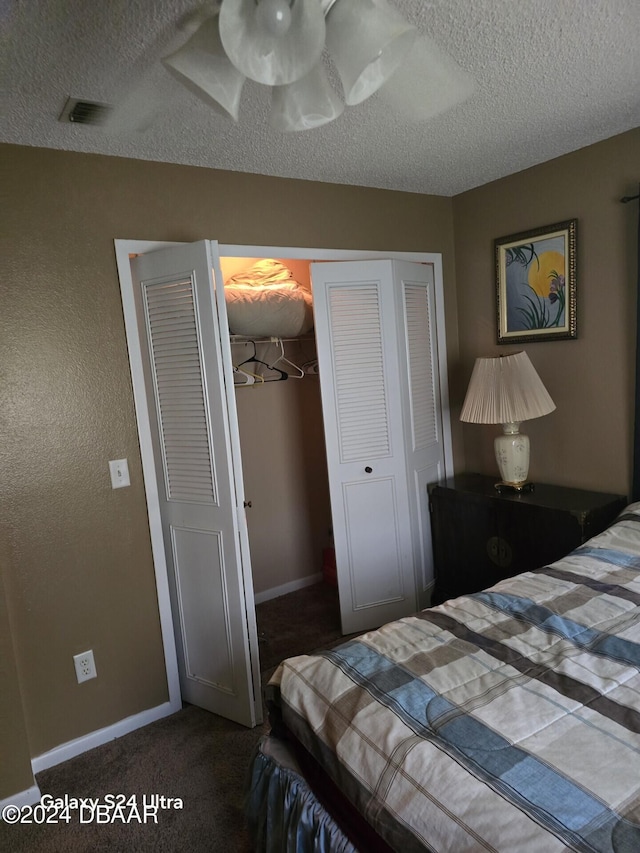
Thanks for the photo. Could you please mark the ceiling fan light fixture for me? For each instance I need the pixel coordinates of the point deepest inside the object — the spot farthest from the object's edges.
(367, 39)
(202, 66)
(274, 16)
(269, 46)
(305, 104)
(280, 43)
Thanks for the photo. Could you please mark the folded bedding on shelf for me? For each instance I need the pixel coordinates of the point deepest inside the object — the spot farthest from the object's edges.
(266, 301)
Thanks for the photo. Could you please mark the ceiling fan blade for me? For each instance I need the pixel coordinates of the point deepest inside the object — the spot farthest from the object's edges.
(138, 109)
(428, 82)
(143, 94)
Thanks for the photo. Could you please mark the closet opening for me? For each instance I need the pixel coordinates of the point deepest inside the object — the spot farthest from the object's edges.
(284, 462)
(378, 402)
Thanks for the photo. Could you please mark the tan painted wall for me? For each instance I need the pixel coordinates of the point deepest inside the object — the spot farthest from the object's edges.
(285, 476)
(80, 574)
(587, 441)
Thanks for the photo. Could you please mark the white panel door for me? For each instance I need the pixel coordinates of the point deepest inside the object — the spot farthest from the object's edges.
(200, 493)
(357, 329)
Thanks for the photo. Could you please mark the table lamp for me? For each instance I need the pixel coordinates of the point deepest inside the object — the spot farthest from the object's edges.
(506, 390)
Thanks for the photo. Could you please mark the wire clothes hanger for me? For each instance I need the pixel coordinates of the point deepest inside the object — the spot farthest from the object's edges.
(281, 358)
(245, 377)
(249, 378)
(255, 360)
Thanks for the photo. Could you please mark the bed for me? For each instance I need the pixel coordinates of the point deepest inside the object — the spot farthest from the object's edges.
(507, 720)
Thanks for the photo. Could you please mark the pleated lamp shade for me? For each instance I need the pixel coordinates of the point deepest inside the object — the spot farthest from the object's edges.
(507, 390)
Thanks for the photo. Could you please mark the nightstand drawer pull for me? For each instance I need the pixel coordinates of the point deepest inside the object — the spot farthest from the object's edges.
(499, 552)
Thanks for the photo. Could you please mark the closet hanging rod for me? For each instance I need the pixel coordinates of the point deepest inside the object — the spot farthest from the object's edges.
(267, 339)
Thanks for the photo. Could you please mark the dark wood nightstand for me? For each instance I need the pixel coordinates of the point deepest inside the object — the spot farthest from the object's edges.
(481, 536)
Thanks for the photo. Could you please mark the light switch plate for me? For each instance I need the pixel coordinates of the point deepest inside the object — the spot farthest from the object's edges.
(119, 473)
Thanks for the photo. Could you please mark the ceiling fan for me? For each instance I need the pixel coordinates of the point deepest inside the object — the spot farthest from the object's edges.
(307, 50)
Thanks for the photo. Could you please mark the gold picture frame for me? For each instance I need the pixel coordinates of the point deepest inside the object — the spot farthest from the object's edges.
(536, 284)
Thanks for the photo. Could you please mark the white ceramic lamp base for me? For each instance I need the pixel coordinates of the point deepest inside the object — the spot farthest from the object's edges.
(512, 456)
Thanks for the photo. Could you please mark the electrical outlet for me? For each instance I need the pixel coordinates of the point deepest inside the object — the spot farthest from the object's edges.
(85, 666)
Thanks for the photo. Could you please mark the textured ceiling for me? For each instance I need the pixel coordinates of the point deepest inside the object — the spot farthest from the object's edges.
(551, 76)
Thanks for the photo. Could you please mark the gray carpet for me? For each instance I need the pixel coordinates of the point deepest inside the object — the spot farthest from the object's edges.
(194, 755)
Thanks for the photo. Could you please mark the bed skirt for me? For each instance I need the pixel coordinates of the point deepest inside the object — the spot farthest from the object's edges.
(283, 813)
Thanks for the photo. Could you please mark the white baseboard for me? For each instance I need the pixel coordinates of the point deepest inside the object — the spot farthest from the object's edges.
(292, 586)
(101, 736)
(22, 798)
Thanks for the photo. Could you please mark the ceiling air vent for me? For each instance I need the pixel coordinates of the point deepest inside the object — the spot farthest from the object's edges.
(84, 112)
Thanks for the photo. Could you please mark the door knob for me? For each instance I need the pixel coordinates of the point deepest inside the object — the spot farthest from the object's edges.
(368, 469)
(248, 504)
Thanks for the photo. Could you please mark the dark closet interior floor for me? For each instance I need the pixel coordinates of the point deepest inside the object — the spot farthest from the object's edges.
(298, 623)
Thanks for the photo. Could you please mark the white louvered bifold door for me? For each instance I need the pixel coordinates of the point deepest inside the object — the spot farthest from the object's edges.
(357, 327)
(182, 354)
(424, 440)
(178, 386)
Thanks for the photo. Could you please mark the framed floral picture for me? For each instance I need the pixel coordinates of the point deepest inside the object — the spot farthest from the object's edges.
(536, 284)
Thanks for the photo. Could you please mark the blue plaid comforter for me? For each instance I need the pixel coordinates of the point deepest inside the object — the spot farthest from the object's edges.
(508, 720)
